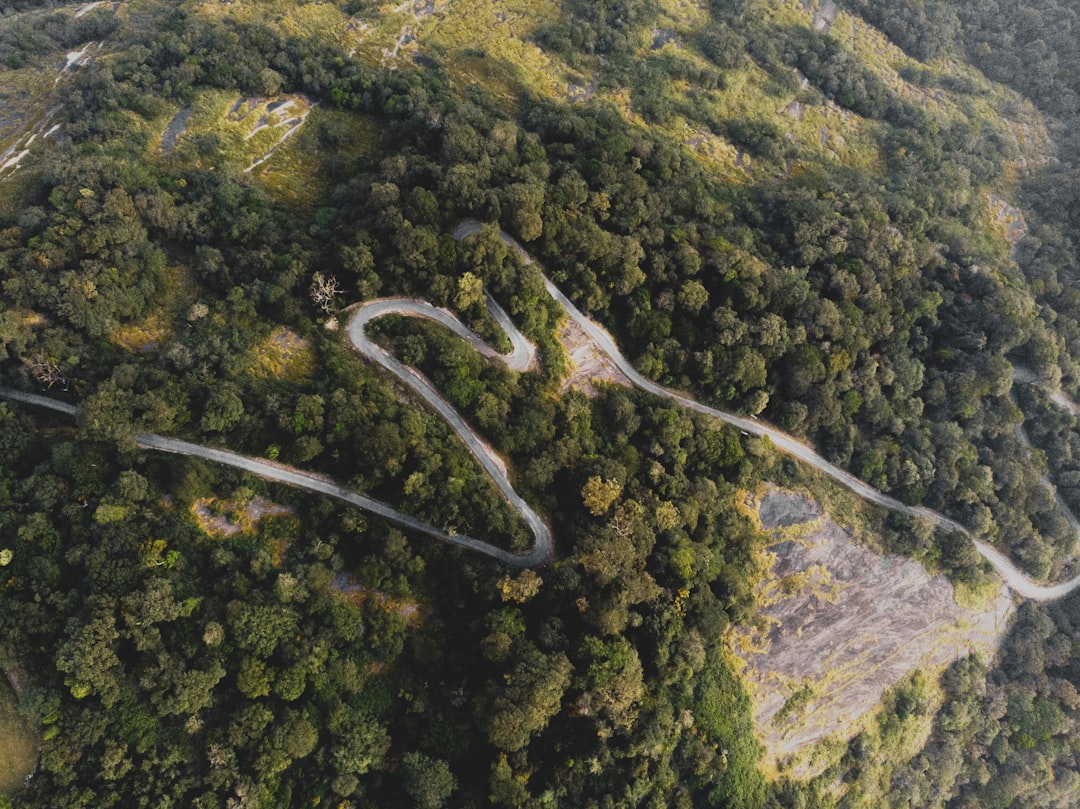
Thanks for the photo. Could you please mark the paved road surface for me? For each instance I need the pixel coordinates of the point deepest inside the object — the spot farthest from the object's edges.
(523, 357)
(1017, 580)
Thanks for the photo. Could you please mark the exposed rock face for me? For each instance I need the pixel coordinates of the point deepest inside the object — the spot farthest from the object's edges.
(841, 624)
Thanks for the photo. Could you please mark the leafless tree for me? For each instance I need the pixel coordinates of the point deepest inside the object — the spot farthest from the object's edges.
(324, 290)
(44, 370)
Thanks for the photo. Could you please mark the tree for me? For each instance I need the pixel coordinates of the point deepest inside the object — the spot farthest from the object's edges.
(599, 493)
(428, 780)
(324, 291)
(223, 409)
(533, 694)
(44, 369)
(470, 292)
(90, 658)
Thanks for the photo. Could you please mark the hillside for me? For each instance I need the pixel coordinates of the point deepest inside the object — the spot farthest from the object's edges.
(489, 544)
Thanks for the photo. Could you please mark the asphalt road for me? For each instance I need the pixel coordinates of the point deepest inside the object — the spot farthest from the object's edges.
(1017, 581)
(522, 358)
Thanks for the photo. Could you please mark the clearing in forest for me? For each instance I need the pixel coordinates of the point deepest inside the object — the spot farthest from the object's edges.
(588, 364)
(229, 518)
(838, 625)
(18, 745)
(283, 355)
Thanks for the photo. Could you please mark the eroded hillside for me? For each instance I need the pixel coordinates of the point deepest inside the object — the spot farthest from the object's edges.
(837, 625)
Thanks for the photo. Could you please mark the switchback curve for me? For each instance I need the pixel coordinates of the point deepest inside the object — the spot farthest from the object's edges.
(1019, 582)
(523, 357)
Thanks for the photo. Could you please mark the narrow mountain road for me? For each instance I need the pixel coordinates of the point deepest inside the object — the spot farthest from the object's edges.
(522, 358)
(1016, 580)
(280, 473)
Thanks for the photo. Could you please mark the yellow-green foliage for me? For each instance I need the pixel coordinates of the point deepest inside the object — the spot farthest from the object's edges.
(157, 327)
(283, 355)
(245, 128)
(305, 20)
(887, 738)
(501, 33)
(296, 173)
(300, 168)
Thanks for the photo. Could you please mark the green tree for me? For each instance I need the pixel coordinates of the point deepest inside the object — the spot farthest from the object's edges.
(599, 493)
(533, 694)
(223, 409)
(427, 780)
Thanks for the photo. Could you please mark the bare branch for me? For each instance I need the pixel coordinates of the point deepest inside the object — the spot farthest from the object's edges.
(44, 370)
(324, 290)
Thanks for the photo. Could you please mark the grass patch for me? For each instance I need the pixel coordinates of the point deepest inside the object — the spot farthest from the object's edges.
(322, 20)
(18, 744)
(978, 597)
(283, 355)
(328, 147)
(148, 334)
(798, 700)
(490, 43)
(300, 162)
(158, 327)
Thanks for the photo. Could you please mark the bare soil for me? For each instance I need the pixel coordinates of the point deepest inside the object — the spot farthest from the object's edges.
(844, 624)
(1009, 218)
(236, 519)
(588, 364)
(18, 742)
(176, 127)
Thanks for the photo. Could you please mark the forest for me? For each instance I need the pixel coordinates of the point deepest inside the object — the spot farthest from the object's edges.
(324, 657)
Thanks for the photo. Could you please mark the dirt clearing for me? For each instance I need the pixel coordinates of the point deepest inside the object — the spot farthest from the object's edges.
(838, 624)
(18, 745)
(588, 364)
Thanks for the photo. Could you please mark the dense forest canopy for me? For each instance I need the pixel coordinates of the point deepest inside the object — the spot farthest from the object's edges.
(783, 218)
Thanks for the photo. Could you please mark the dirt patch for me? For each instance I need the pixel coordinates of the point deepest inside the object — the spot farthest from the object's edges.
(18, 742)
(662, 36)
(578, 93)
(86, 9)
(1009, 218)
(782, 509)
(357, 595)
(176, 127)
(228, 519)
(588, 364)
(824, 15)
(838, 625)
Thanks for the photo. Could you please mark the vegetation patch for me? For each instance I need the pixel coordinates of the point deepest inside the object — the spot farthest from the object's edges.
(299, 173)
(148, 335)
(493, 42)
(352, 591)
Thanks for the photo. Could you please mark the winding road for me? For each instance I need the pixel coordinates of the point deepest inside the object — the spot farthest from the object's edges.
(522, 358)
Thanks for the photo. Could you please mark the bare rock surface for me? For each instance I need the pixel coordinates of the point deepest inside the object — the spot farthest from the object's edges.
(839, 624)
